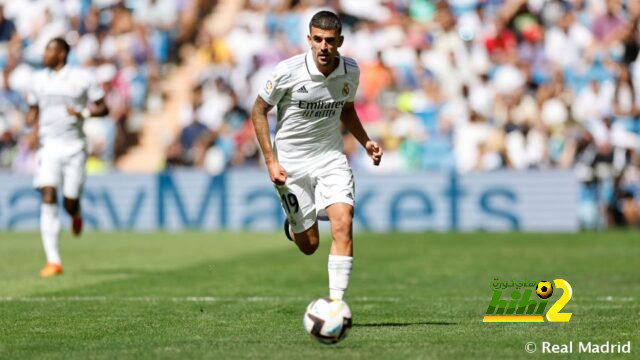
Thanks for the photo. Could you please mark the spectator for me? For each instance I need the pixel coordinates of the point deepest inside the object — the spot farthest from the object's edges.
(181, 151)
(7, 27)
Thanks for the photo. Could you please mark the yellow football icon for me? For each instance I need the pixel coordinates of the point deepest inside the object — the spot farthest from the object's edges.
(544, 289)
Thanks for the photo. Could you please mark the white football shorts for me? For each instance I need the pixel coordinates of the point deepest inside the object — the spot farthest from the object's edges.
(58, 167)
(307, 192)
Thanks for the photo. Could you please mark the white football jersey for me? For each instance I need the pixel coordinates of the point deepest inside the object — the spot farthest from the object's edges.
(52, 91)
(309, 107)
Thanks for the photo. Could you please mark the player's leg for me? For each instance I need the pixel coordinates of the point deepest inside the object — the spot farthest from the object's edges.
(335, 193)
(72, 206)
(50, 224)
(341, 254)
(47, 178)
(341, 219)
(308, 240)
(74, 178)
(301, 226)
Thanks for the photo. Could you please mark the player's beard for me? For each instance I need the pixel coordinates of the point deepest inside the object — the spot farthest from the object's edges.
(325, 59)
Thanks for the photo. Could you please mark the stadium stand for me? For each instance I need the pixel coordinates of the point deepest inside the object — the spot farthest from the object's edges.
(465, 85)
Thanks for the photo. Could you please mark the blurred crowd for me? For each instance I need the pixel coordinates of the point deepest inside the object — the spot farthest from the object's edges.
(464, 85)
(129, 45)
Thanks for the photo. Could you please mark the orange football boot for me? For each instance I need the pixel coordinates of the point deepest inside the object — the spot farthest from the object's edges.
(51, 270)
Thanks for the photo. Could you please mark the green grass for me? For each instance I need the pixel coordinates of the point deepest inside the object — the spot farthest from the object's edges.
(242, 295)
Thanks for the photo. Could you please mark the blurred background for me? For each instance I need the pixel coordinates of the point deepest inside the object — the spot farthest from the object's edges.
(528, 110)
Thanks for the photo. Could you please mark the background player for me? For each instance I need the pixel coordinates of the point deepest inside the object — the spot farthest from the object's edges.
(61, 98)
(313, 93)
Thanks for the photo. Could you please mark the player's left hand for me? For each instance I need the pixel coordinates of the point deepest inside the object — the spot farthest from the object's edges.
(375, 151)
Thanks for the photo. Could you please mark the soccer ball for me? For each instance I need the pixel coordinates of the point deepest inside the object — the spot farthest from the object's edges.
(544, 289)
(327, 320)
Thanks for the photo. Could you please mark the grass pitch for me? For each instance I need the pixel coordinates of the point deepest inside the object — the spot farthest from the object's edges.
(242, 295)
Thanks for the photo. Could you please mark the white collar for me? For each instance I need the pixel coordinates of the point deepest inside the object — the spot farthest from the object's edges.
(62, 70)
(313, 69)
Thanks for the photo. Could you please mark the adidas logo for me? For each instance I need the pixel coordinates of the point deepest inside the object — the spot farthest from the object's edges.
(303, 90)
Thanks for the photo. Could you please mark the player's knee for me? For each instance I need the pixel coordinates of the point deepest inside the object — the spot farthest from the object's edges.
(342, 225)
(48, 195)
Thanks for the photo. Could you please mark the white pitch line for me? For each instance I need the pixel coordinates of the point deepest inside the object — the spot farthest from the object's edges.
(257, 299)
(197, 299)
(599, 299)
(613, 298)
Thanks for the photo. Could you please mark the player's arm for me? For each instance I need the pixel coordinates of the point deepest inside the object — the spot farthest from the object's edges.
(261, 126)
(32, 115)
(32, 119)
(95, 108)
(95, 100)
(34, 111)
(351, 121)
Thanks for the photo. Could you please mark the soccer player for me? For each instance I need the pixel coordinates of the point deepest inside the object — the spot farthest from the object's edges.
(313, 93)
(60, 99)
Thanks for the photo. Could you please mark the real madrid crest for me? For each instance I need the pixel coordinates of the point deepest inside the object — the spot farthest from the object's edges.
(269, 86)
(345, 89)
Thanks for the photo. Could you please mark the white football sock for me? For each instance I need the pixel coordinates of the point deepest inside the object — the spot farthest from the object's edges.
(339, 271)
(50, 230)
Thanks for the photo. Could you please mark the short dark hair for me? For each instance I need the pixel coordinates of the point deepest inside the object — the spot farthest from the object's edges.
(326, 20)
(62, 43)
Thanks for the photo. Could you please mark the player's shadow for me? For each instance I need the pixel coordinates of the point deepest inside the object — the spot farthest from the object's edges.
(400, 324)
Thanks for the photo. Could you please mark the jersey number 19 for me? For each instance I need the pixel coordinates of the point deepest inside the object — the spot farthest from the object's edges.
(290, 203)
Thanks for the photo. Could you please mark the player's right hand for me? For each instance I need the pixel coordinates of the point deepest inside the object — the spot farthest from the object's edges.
(277, 173)
(375, 151)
